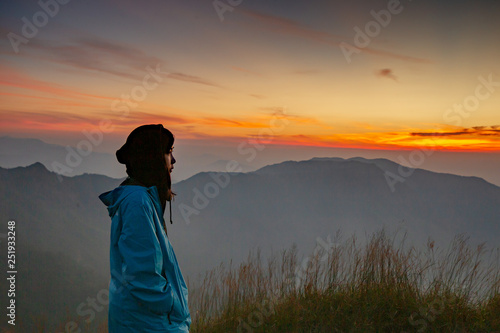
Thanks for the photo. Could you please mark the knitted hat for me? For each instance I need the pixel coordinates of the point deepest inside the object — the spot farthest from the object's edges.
(144, 156)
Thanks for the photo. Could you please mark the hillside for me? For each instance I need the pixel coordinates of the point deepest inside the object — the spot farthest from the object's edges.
(300, 203)
(273, 207)
(297, 202)
(52, 290)
(58, 216)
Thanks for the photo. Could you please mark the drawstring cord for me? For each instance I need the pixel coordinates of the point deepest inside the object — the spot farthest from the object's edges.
(170, 204)
(170, 211)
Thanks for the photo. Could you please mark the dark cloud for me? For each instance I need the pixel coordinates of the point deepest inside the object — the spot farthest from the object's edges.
(386, 73)
(476, 130)
(293, 28)
(104, 56)
(192, 79)
(96, 54)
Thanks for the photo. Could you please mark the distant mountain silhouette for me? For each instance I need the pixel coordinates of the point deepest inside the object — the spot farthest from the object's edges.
(271, 208)
(62, 244)
(58, 216)
(296, 202)
(16, 152)
(193, 159)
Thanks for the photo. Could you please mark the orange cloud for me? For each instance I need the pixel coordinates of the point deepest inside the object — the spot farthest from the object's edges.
(484, 139)
(240, 69)
(43, 121)
(12, 78)
(299, 130)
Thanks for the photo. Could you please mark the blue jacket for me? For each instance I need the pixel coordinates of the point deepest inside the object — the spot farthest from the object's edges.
(147, 292)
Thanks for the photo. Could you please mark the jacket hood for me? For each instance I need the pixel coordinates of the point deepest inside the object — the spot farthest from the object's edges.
(112, 199)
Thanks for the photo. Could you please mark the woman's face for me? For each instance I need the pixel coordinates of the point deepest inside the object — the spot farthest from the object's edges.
(170, 160)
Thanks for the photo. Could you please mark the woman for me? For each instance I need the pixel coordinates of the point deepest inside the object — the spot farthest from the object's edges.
(147, 292)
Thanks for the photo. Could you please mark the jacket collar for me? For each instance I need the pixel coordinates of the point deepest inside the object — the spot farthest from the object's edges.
(112, 199)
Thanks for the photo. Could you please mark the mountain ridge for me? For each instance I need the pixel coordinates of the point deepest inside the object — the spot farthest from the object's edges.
(262, 208)
(382, 163)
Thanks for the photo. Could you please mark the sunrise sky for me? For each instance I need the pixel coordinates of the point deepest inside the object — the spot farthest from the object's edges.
(222, 73)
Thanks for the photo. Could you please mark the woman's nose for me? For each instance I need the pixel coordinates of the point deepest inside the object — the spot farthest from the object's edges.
(173, 159)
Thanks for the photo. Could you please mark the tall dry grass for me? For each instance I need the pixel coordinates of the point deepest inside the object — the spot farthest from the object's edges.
(383, 285)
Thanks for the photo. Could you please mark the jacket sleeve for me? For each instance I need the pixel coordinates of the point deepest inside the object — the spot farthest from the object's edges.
(142, 256)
